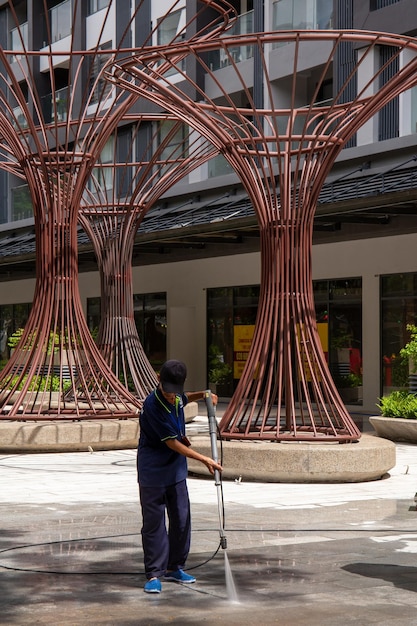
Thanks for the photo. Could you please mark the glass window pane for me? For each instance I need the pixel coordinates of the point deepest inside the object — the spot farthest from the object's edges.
(12, 317)
(93, 314)
(396, 285)
(398, 309)
(6, 329)
(169, 26)
(60, 19)
(99, 87)
(324, 14)
(151, 322)
(21, 203)
(231, 314)
(97, 5)
(220, 340)
(339, 321)
(282, 15)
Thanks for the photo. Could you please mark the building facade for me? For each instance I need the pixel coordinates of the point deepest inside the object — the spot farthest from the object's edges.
(196, 262)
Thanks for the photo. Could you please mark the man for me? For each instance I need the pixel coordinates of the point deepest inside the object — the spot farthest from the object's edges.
(162, 472)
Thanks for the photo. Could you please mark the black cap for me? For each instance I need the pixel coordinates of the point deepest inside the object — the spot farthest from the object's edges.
(172, 376)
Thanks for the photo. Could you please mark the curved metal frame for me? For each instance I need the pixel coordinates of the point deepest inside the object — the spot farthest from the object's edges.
(282, 156)
(112, 213)
(57, 159)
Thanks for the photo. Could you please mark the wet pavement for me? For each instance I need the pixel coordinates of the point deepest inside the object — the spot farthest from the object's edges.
(298, 554)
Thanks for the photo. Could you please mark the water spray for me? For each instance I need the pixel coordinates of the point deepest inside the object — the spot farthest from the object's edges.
(211, 414)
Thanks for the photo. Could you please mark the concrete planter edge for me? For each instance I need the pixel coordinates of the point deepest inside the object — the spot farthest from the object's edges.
(395, 428)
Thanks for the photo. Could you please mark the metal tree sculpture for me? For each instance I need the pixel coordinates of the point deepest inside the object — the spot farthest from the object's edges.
(160, 151)
(282, 150)
(54, 144)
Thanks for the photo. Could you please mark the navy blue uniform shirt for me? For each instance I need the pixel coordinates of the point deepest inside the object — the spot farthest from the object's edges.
(158, 465)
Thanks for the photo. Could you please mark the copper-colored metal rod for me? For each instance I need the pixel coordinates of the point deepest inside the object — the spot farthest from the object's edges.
(282, 156)
(57, 370)
(120, 196)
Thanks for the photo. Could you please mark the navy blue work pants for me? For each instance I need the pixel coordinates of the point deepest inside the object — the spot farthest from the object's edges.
(165, 550)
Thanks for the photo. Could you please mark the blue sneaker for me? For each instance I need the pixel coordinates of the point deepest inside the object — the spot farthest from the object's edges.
(153, 586)
(179, 576)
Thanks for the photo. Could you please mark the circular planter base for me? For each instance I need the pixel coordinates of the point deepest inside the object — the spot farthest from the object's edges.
(74, 435)
(395, 428)
(368, 459)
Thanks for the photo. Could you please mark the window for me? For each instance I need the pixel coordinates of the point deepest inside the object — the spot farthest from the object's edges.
(93, 314)
(99, 87)
(243, 26)
(398, 308)
(150, 312)
(151, 322)
(97, 5)
(388, 120)
(174, 141)
(55, 105)
(21, 203)
(102, 177)
(12, 317)
(231, 315)
(338, 306)
(374, 5)
(19, 39)
(171, 28)
(59, 22)
(302, 14)
(218, 166)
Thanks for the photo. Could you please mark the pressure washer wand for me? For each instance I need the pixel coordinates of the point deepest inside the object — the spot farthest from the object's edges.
(211, 414)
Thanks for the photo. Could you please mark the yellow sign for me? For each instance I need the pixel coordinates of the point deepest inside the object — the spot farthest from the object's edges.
(242, 341)
(323, 330)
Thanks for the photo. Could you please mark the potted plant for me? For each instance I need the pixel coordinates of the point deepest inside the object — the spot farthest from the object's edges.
(219, 373)
(398, 419)
(349, 387)
(341, 344)
(400, 404)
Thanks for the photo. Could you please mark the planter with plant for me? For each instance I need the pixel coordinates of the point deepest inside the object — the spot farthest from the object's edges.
(398, 419)
(349, 387)
(341, 344)
(62, 356)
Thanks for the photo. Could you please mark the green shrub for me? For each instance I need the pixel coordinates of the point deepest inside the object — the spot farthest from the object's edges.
(39, 383)
(399, 404)
(348, 380)
(409, 352)
(15, 338)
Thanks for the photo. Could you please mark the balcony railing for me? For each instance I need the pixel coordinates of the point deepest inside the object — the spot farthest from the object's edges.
(60, 21)
(97, 5)
(55, 106)
(219, 58)
(19, 121)
(302, 15)
(19, 38)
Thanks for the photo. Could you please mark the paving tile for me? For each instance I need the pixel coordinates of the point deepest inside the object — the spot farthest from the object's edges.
(299, 554)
